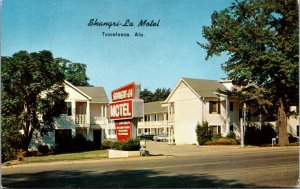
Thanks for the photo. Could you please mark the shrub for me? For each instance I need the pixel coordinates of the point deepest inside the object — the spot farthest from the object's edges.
(266, 134)
(130, 145)
(293, 139)
(43, 148)
(293, 144)
(203, 133)
(78, 144)
(252, 136)
(117, 145)
(216, 136)
(107, 144)
(21, 155)
(231, 135)
(256, 136)
(222, 141)
(10, 139)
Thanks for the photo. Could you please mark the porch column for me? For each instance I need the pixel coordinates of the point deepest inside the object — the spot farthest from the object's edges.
(105, 111)
(73, 105)
(169, 110)
(88, 113)
(172, 111)
(102, 114)
(165, 122)
(227, 116)
(88, 133)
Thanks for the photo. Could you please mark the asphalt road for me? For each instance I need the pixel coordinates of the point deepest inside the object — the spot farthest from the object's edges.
(188, 167)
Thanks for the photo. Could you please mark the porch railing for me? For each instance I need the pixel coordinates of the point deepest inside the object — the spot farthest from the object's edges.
(80, 119)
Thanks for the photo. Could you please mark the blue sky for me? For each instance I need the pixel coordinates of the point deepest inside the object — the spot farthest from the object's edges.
(158, 59)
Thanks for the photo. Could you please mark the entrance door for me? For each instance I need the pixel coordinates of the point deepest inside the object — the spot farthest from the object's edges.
(97, 137)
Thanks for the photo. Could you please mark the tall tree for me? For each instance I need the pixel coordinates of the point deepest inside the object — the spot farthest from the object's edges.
(146, 95)
(261, 40)
(32, 97)
(158, 95)
(75, 73)
(161, 94)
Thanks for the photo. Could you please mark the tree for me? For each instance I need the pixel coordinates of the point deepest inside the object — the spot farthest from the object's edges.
(261, 41)
(161, 94)
(146, 95)
(158, 95)
(75, 73)
(32, 97)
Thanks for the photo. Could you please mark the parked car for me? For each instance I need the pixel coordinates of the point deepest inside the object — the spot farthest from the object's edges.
(160, 137)
(146, 137)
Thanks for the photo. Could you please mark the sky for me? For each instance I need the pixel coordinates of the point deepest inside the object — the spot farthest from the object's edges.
(159, 59)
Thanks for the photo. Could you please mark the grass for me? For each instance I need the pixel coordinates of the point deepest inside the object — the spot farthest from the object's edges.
(96, 154)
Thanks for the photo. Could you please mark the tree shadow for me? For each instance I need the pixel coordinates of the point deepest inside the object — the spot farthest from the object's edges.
(116, 179)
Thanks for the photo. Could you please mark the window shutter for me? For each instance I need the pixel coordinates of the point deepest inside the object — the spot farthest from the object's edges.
(219, 107)
(210, 107)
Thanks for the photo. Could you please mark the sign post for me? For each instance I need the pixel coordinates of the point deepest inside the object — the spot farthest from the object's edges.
(125, 109)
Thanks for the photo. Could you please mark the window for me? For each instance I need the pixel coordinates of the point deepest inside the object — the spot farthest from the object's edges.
(230, 106)
(147, 118)
(214, 107)
(68, 110)
(215, 129)
(231, 128)
(298, 130)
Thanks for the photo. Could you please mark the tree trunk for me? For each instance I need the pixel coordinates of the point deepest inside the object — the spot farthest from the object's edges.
(26, 140)
(282, 125)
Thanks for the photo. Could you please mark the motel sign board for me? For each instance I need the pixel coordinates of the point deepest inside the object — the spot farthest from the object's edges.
(126, 109)
(123, 130)
(126, 106)
(129, 91)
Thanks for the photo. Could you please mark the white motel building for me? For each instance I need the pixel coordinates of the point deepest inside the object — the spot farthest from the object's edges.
(191, 101)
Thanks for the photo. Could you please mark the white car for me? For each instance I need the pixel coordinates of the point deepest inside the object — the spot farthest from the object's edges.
(160, 137)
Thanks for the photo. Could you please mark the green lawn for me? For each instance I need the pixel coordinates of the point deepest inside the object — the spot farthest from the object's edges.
(97, 154)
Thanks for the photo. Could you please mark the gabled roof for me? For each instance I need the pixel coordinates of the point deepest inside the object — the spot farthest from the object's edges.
(201, 87)
(78, 90)
(97, 94)
(154, 107)
(204, 88)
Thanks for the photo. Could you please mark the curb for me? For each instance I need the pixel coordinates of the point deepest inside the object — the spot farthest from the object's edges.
(85, 161)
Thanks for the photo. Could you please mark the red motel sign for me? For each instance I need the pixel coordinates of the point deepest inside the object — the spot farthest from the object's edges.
(126, 105)
(129, 91)
(121, 110)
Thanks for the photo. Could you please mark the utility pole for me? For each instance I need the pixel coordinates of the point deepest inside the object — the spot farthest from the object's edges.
(243, 125)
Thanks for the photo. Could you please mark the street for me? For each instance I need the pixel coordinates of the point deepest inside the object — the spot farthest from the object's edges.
(184, 166)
